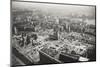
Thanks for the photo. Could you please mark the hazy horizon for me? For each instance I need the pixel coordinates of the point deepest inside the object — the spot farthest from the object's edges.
(56, 9)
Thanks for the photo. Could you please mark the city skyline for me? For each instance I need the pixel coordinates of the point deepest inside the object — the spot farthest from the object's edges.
(55, 9)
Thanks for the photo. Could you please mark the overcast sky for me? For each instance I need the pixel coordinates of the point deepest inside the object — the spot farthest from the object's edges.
(56, 9)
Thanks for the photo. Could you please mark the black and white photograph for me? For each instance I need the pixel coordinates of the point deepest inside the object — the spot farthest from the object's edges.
(45, 33)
